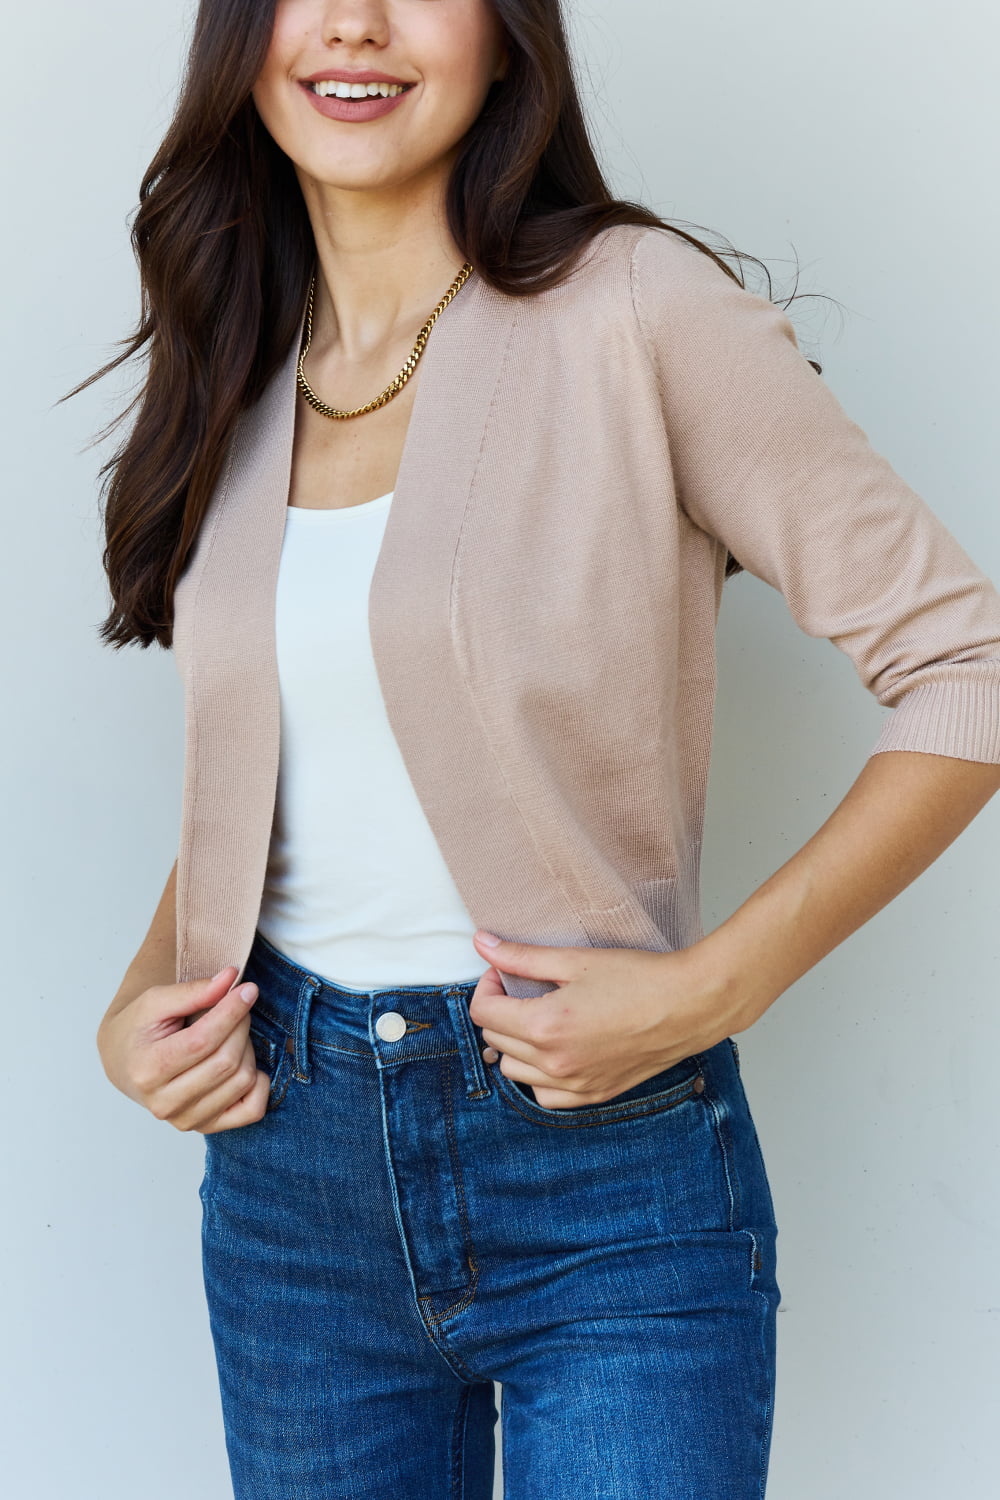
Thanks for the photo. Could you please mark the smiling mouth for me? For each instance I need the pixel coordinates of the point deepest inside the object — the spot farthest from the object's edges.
(332, 88)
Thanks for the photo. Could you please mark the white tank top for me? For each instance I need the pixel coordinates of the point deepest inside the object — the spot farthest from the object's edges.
(356, 888)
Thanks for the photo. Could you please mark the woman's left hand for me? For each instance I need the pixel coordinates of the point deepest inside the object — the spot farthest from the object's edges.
(618, 1016)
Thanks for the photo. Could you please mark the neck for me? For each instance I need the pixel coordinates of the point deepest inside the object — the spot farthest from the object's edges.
(384, 261)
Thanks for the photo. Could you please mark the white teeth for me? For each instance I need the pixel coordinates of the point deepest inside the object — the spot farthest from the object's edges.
(332, 86)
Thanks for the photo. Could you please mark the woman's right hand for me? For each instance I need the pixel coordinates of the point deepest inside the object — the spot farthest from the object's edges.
(198, 1074)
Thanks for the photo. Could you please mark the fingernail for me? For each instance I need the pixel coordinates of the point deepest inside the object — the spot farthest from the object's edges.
(248, 992)
(488, 938)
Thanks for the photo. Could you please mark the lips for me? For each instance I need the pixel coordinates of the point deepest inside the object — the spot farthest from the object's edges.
(356, 111)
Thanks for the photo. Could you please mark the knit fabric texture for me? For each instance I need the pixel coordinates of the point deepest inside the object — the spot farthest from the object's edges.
(544, 605)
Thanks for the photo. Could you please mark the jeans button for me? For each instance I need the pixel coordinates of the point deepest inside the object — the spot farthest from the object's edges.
(490, 1054)
(390, 1026)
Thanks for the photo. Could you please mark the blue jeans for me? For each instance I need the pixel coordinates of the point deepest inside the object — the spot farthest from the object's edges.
(405, 1226)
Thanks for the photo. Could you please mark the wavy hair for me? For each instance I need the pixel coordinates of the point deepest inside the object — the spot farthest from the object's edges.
(225, 250)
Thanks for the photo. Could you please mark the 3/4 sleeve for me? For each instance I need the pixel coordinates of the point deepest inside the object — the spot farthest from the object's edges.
(766, 459)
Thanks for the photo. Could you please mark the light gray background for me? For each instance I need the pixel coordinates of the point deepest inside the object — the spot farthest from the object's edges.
(863, 139)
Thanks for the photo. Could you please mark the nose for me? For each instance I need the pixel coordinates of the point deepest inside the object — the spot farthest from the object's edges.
(354, 22)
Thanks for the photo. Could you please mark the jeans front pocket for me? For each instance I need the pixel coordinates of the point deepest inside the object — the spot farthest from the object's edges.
(661, 1091)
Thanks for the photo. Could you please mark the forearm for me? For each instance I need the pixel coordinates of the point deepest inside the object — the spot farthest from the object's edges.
(155, 961)
(903, 811)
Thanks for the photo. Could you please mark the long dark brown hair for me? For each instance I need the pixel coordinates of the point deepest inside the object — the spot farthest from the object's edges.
(225, 251)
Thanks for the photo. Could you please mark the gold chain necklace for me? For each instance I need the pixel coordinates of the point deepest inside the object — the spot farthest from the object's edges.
(396, 384)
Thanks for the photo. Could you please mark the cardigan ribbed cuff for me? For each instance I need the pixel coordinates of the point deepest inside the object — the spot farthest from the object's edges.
(961, 719)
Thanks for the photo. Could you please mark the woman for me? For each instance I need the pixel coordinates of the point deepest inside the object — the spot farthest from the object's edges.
(441, 462)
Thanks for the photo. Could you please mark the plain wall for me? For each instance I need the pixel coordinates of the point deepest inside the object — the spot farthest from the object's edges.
(862, 139)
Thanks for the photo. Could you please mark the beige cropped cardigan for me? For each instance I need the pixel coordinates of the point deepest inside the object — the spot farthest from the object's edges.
(544, 605)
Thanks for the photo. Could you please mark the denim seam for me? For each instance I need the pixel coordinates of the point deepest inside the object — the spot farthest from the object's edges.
(765, 1360)
(272, 1048)
(463, 1213)
(283, 1056)
(351, 1051)
(206, 1184)
(260, 1010)
(722, 1136)
(436, 1318)
(398, 1062)
(437, 1336)
(577, 1122)
(477, 1083)
(453, 1361)
(458, 1441)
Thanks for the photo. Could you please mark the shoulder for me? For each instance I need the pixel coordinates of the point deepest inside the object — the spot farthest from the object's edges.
(646, 294)
(608, 264)
(660, 282)
(615, 248)
(642, 293)
(653, 260)
(692, 310)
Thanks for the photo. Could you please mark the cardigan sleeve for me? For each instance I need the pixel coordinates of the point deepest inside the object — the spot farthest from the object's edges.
(766, 459)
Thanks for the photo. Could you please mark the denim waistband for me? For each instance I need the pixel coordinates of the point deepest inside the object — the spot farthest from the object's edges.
(396, 1023)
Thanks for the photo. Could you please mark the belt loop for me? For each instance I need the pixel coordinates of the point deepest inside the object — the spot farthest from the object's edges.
(310, 988)
(477, 1083)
